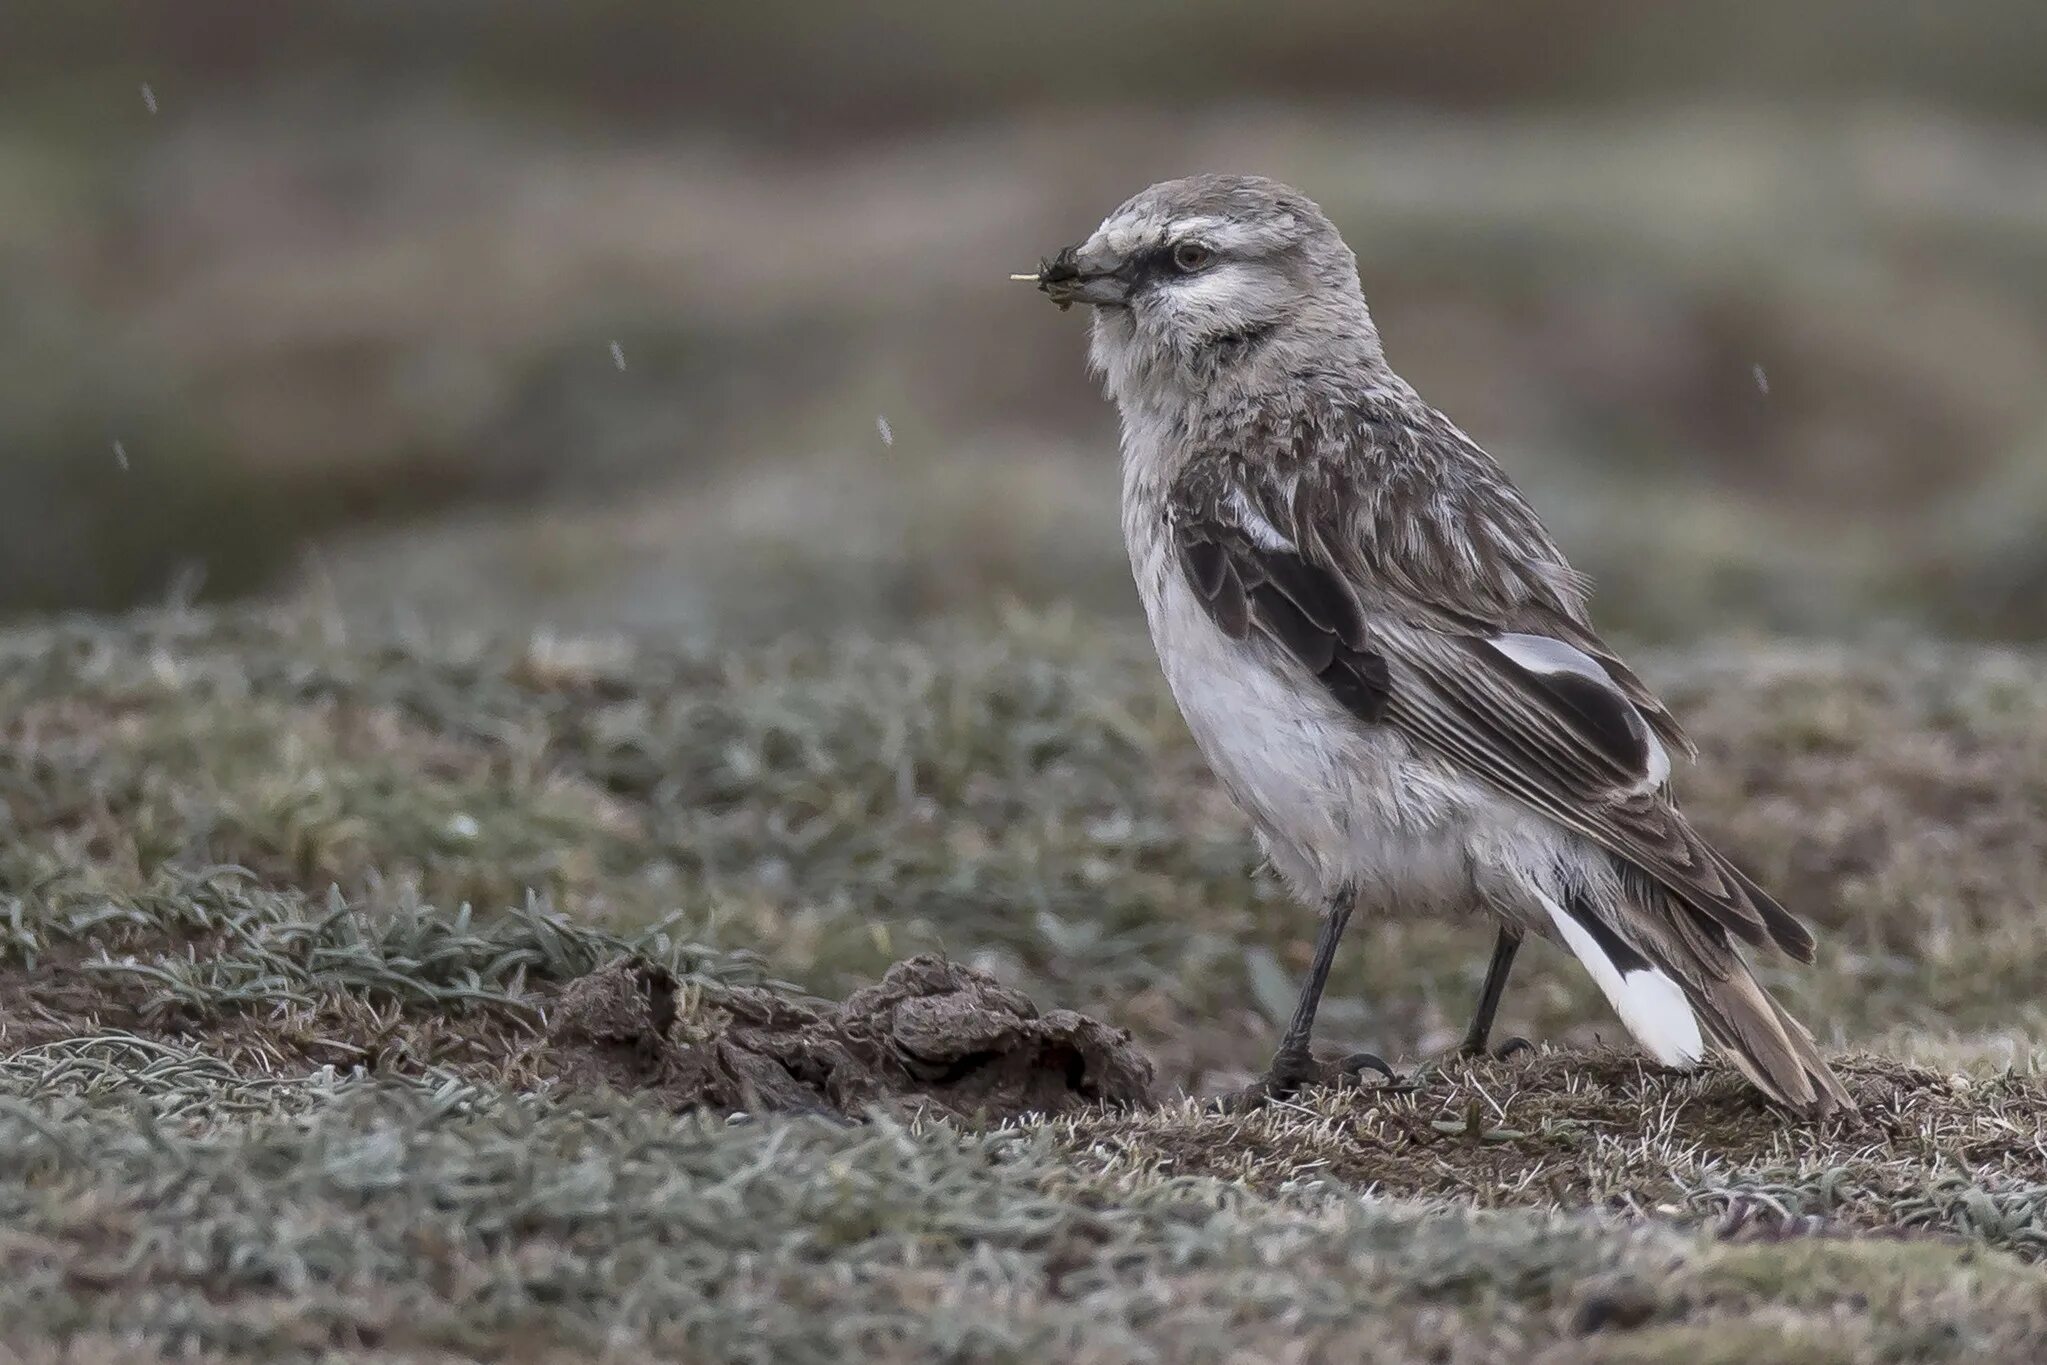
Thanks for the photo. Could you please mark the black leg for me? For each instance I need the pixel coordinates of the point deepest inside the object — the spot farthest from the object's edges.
(1293, 1064)
(1481, 1031)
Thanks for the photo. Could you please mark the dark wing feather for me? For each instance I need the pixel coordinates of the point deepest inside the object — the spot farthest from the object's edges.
(1248, 581)
(1502, 724)
(1535, 611)
(1437, 531)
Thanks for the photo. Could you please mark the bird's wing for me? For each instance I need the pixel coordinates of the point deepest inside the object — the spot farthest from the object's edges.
(1249, 577)
(1508, 686)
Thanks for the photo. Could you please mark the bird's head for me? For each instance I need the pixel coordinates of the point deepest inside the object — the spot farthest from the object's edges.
(1194, 280)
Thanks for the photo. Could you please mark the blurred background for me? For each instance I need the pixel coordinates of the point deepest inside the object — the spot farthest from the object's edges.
(694, 317)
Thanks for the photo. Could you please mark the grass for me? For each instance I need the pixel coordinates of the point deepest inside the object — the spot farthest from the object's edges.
(287, 914)
(1022, 797)
(409, 1224)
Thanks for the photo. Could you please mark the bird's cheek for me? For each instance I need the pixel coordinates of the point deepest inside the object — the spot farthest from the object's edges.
(1112, 327)
(1190, 315)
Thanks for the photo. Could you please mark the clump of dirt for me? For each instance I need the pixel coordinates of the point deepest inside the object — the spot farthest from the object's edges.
(933, 1033)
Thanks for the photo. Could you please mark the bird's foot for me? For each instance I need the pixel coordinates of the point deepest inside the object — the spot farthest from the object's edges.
(1357, 1064)
(1290, 1074)
(1472, 1050)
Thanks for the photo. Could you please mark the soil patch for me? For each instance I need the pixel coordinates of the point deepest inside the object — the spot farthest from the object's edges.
(931, 1033)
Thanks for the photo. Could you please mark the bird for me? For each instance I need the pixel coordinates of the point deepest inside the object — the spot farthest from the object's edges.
(1382, 653)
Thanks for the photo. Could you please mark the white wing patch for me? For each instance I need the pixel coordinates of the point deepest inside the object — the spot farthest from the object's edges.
(1256, 526)
(1541, 654)
(1649, 1003)
(1659, 764)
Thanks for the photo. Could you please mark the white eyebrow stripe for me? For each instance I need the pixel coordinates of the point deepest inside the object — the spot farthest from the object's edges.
(1221, 234)
(1256, 526)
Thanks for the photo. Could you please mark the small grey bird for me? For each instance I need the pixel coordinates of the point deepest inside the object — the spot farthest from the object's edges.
(1382, 653)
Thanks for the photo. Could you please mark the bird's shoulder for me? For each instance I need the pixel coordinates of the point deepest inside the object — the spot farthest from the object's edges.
(1396, 497)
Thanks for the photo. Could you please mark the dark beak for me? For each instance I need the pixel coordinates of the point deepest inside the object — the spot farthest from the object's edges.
(1069, 278)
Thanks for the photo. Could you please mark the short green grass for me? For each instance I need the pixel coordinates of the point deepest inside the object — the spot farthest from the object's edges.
(284, 908)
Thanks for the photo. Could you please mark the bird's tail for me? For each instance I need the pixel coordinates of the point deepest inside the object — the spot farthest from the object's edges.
(1667, 1005)
(1766, 1044)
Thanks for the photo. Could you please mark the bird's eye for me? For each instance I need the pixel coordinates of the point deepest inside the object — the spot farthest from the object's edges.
(1189, 257)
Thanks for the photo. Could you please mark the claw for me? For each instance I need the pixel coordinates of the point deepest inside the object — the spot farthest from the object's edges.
(1360, 1062)
(1289, 1076)
(1472, 1051)
(1256, 1095)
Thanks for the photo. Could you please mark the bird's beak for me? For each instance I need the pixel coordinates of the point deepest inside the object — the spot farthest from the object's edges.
(1070, 278)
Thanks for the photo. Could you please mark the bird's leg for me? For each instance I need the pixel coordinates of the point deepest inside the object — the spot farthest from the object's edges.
(1481, 1031)
(1293, 1064)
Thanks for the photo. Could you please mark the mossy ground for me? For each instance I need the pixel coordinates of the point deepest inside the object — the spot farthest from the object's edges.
(284, 911)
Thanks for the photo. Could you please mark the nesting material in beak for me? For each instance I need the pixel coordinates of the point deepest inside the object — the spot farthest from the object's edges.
(1063, 280)
(1037, 277)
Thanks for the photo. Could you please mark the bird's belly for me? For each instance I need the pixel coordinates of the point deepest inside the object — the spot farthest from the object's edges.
(1339, 805)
